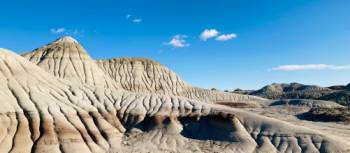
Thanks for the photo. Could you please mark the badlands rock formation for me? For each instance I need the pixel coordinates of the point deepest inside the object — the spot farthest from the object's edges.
(137, 75)
(144, 75)
(51, 106)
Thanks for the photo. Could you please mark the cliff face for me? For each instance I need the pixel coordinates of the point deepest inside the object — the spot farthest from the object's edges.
(50, 108)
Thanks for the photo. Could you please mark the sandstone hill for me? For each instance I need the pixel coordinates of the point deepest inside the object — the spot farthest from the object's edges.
(48, 106)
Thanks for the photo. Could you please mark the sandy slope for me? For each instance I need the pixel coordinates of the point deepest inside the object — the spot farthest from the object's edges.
(289, 114)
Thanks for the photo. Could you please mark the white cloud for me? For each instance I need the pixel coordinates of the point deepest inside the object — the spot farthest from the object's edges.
(57, 31)
(72, 32)
(310, 67)
(178, 41)
(138, 20)
(208, 33)
(133, 19)
(225, 37)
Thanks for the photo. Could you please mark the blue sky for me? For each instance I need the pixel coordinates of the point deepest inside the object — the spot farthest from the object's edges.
(225, 44)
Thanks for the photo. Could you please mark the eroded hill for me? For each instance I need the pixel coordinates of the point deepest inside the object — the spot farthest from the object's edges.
(137, 75)
(70, 109)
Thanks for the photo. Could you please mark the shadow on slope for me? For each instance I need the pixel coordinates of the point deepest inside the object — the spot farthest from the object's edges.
(211, 127)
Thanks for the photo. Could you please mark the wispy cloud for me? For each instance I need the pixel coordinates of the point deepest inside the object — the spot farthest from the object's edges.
(65, 31)
(208, 33)
(138, 20)
(57, 30)
(178, 41)
(225, 37)
(76, 32)
(133, 19)
(213, 33)
(310, 67)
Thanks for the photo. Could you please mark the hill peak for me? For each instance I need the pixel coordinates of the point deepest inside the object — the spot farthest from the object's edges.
(66, 58)
(4, 50)
(64, 46)
(66, 39)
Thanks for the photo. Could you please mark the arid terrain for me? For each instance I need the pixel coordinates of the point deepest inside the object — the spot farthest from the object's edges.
(57, 98)
(338, 93)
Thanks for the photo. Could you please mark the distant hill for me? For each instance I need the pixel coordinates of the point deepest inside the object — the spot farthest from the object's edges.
(328, 114)
(342, 97)
(339, 93)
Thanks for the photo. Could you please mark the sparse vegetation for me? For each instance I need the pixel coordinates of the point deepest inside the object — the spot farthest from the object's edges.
(341, 97)
(132, 60)
(328, 114)
(339, 94)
